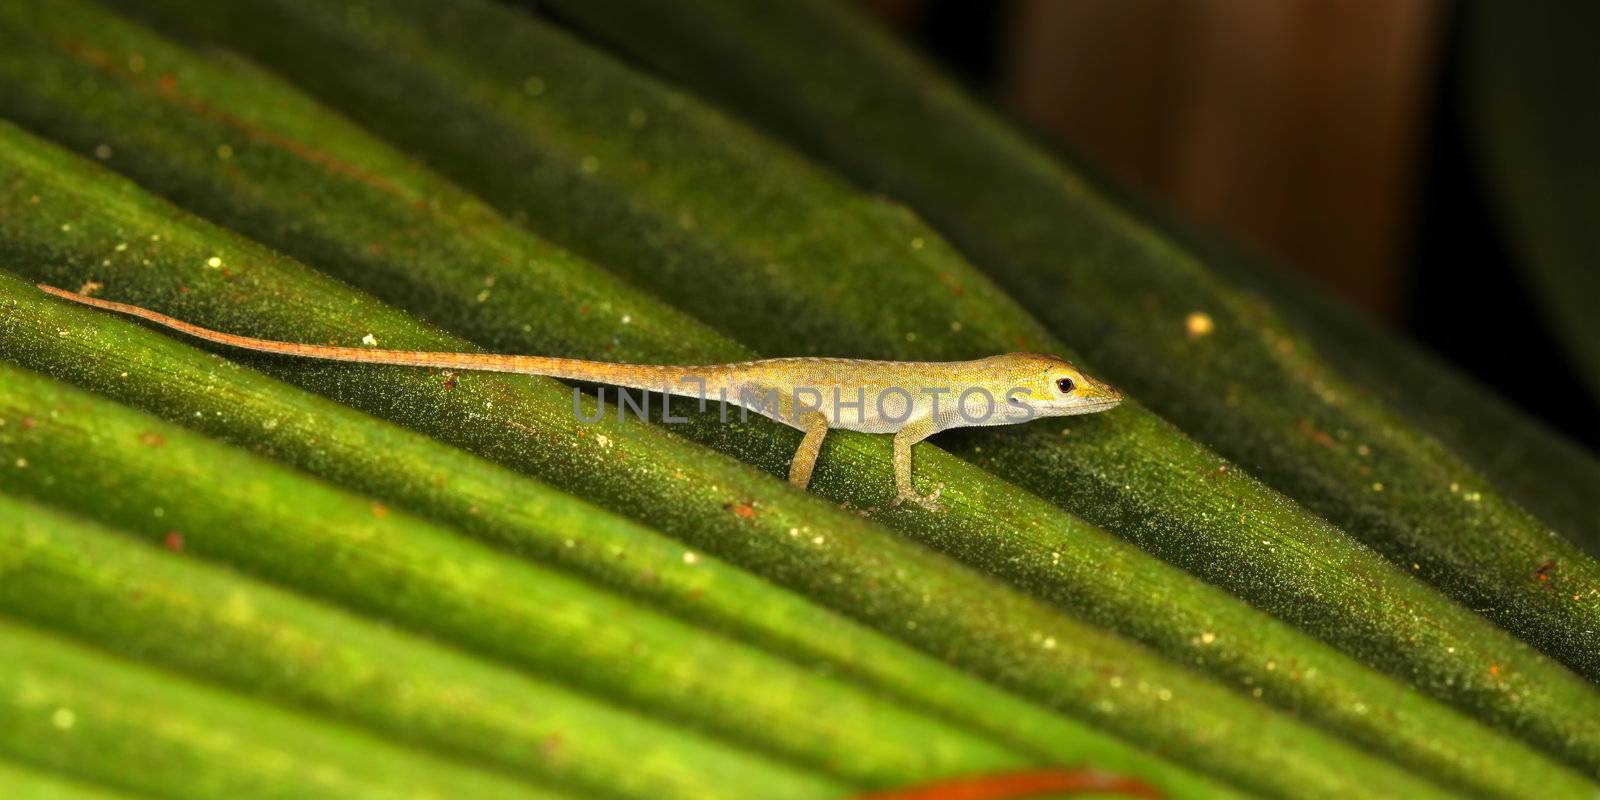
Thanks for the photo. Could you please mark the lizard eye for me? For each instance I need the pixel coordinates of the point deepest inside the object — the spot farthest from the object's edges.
(1065, 385)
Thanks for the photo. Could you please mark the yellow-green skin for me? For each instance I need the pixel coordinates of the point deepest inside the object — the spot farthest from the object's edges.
(910, 399)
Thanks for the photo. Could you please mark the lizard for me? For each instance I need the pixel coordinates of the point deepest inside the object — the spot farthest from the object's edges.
(910, 399)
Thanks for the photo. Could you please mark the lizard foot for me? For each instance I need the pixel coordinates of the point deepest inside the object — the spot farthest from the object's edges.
(929, 502)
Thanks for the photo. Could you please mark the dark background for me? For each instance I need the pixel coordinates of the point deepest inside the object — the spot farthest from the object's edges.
(1328, 135)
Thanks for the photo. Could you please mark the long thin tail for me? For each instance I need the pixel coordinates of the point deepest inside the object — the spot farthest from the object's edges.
(687, 380)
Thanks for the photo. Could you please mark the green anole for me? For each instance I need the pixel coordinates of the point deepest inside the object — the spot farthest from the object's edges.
(910, 399)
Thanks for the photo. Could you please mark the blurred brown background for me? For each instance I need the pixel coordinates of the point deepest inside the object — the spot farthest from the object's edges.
(1292, 125)
(1327, 135)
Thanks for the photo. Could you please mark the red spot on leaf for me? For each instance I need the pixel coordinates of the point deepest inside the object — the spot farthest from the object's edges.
(743, 508)
(380, 510)
(1015, 785)
(152, 439)
(173, 541)
(1542, 573)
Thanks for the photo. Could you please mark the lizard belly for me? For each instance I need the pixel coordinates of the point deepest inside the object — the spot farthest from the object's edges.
(845, 408)
(871, 411)
(874, 409)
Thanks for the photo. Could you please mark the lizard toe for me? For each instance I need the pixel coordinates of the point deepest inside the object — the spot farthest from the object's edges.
(929, 502)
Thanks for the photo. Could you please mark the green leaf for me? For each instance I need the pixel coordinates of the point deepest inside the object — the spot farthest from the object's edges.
(844, 560)
(132, 471)
(1121, 292)
(1113, 583)
(1547, 473)
(675, 214)
(221, 137)
(72, 578)
(143, 368)
(29, 784)
(76, 712)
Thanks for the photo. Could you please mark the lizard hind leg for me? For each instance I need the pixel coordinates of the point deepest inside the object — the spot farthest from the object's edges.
(805, 457)
(914, 431)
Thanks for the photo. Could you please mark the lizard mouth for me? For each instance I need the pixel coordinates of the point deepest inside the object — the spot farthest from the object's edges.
(1071, 409)
(1098, 405)
(1090, 407)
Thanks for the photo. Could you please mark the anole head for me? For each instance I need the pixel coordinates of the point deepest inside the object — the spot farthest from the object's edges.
(1049, 386)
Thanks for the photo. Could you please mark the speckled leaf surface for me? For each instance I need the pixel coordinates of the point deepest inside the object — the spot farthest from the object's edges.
(839, 558)
(1537, 466)
(874, 576)
(1124, 295)
(463, 523)
(71, 709)
(1111, 583)
(1128, 470)
(1534, 464)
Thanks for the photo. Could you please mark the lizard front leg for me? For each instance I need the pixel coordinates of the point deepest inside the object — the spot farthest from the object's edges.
(805, 457)
(913, 432)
